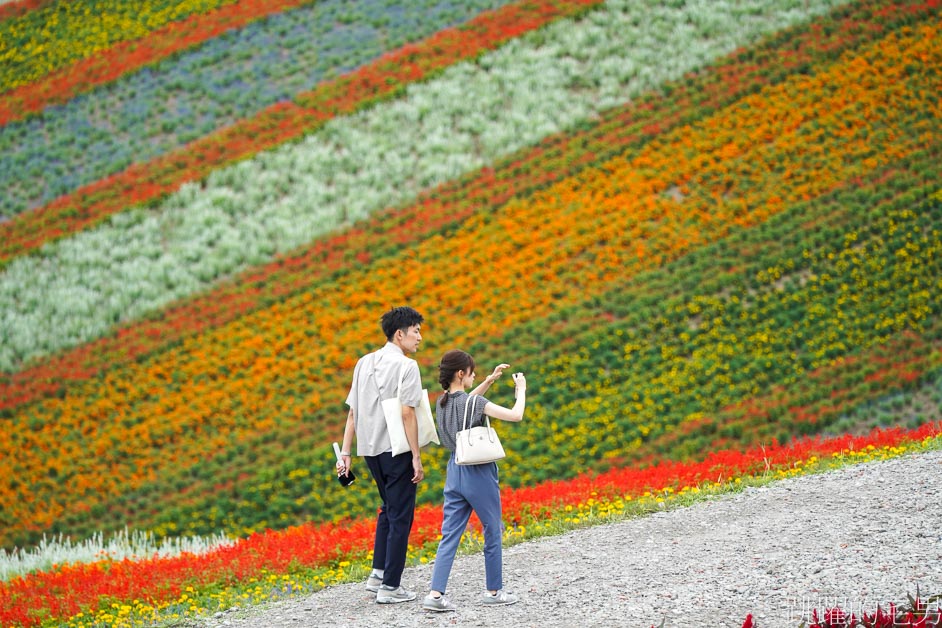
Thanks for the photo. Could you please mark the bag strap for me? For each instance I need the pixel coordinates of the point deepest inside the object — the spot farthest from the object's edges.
(372, 375)
(464, 421)
(491, 436)
(402, 374)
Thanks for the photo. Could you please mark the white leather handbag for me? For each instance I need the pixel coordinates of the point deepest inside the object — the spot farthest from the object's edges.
(477, 445)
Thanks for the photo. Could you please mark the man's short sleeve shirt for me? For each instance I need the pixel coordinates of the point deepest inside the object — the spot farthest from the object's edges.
(375, 378)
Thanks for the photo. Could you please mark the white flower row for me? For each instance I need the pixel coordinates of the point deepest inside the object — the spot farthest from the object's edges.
(133, 545)
(74, 290)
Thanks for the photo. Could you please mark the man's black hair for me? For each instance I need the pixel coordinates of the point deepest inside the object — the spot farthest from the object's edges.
(402, 317)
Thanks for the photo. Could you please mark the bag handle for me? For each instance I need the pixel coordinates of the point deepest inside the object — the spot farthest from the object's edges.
(464, 421)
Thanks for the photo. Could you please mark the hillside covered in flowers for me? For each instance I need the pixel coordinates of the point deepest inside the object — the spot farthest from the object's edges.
(703, 229)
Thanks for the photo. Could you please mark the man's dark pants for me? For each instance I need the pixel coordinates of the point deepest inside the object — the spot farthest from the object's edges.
(393, 477)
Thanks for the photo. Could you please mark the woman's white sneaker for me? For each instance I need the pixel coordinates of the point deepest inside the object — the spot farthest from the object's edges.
(439, 604)
(501, 598)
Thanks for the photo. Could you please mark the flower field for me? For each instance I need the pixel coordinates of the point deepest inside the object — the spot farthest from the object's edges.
(708, 233)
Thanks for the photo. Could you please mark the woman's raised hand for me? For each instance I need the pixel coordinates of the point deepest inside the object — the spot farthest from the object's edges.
(498, 370)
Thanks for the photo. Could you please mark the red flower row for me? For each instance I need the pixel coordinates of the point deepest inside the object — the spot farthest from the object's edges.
(17, 8)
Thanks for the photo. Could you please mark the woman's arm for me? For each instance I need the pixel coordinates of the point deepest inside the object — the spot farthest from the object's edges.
(514, 414)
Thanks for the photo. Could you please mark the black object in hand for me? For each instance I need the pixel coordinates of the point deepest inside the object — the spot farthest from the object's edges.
(345, 479)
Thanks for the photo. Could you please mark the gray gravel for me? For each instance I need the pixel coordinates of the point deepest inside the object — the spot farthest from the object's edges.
(858, 536)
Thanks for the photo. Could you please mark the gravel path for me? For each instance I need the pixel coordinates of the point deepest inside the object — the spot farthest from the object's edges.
(858, 536)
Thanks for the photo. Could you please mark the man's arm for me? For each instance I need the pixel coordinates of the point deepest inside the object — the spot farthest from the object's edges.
(411, 426)
(343, 466)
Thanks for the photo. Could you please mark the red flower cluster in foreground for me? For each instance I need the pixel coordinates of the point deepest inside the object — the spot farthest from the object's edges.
(919, 614)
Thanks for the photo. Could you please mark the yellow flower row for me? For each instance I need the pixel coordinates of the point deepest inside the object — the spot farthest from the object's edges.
(52, 37)
(266, 587)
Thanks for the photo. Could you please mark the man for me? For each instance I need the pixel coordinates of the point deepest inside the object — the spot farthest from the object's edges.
(375, 378)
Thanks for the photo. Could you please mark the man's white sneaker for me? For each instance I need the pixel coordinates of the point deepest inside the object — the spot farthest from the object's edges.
(373, 583)
(393, 596)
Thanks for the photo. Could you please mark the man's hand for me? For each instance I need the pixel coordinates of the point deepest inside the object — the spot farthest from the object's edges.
(418, 473)
(344, 464)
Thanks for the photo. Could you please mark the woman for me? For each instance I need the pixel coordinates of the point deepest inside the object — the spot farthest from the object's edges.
(470, 487)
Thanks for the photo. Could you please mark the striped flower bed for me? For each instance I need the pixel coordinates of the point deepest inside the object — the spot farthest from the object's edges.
(449, 204)
(144, 259)
(382, 79)
(699, 248)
